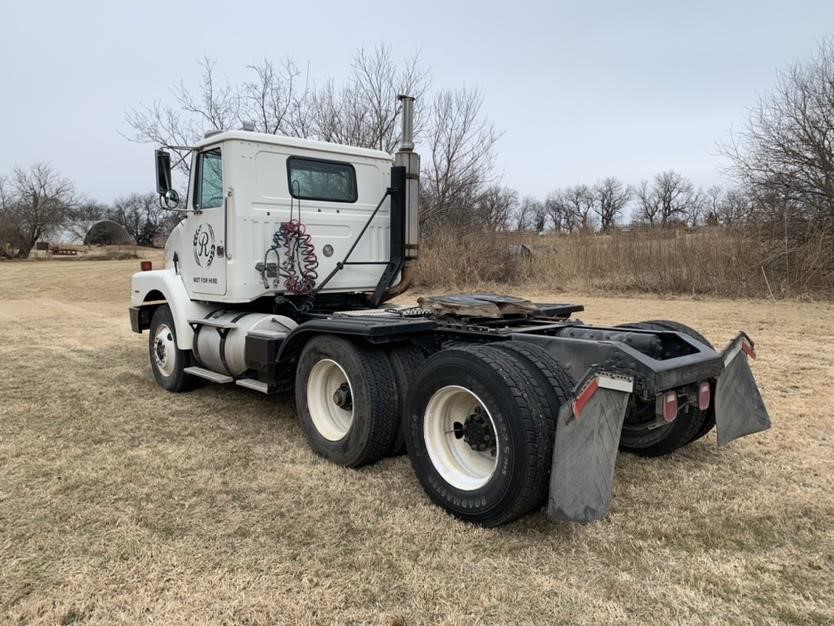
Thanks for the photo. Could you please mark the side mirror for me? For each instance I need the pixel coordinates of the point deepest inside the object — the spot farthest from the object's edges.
(170, 199)
(163, 172)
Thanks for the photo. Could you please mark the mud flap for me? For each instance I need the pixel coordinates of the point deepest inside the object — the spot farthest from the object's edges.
(585, 448)
(739, 408)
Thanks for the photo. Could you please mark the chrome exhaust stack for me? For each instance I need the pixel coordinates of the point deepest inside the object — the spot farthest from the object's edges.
(410, 160)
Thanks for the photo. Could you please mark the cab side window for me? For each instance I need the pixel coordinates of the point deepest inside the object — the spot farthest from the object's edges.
(209, 180)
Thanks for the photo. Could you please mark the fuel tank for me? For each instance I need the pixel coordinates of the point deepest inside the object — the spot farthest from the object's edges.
(220, 342)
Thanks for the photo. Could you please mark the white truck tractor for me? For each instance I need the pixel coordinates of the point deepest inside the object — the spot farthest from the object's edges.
(276, 279)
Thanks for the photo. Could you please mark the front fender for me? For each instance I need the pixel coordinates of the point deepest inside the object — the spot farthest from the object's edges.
(147, 287)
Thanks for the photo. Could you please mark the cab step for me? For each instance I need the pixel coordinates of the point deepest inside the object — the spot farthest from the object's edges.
(257, 385)
(202, 372)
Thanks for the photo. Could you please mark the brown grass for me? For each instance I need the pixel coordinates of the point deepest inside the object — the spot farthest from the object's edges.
(714, 262)
(122, 504)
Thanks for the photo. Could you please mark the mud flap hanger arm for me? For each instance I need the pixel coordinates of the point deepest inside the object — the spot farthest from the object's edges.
(739, 408)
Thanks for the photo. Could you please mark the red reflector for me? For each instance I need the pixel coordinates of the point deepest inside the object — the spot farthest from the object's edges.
(748, 349)
(585, 397)
(146, 266)
(670, 406)
(703, 396)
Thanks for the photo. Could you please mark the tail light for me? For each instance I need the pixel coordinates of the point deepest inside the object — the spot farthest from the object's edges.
(146, 266)
(585, 397)
(703, 396)
(670, 406)
(747, 348)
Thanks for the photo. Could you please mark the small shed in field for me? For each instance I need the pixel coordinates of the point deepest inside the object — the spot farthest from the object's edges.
(107, 233)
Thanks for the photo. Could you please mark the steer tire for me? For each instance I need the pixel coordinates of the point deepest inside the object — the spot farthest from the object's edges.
(486, 382)
(689, 425)
(405, 363)
(167, 361)
(363, 434)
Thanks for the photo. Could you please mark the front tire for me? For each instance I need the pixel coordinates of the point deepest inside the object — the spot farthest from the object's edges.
(477, 436)
(167, 361)
(346, 398)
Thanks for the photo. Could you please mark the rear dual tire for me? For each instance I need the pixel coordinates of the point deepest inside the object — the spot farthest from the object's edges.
(479, 431)
(405, 361)
(641, 435)
(346, 396)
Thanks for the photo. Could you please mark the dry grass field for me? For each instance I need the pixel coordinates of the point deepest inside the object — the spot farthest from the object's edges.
(123, 504)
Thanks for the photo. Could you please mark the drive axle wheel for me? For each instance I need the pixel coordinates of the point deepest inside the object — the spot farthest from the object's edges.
(476, 435)
(346, 399)
(405, 363)
(167, 361)
(641, 433)
(460, 437)
(330, 399)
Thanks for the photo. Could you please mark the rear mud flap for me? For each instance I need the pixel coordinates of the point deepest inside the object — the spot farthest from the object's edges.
(585, 449)
(739, 408)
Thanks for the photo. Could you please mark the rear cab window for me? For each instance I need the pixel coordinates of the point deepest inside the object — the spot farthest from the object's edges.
(319, 179)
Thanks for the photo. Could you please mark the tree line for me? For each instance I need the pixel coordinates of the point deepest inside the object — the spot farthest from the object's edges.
(782, 161)
(37, 203)
(669, 199)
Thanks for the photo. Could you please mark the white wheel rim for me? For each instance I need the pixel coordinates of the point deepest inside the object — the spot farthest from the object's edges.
(455, 460)
(323, 386)
(163, 350)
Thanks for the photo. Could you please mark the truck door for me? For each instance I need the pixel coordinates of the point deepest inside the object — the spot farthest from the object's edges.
(208, 228)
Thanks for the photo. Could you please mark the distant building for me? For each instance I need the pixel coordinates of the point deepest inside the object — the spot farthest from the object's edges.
(107, 233)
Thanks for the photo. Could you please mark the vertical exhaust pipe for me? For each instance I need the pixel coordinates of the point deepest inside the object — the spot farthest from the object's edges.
(410, 160)
(408, 234)
(407, 138)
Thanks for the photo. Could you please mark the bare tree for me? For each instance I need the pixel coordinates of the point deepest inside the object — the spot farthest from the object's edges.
(365, 111)
(647, 210)
(82, 216)
(35, 204)
(7, 230)
(214, 106)
(610, 199)
(670, 199)
(461, 159)
(141, 216)
(278, 99)
(787, 144)
(736, 207)
(530, 215)
(539, 216)
(521, 217)
(495, 206)
(274, 101)
(696, 208)
(558, 211)
(572, 208)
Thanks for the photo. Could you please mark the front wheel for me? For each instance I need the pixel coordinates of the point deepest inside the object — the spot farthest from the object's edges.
(167, 361)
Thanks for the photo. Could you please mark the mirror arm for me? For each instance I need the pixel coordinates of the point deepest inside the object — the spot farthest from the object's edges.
(182, 158)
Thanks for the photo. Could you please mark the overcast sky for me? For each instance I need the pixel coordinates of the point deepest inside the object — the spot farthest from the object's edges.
(581, 90)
